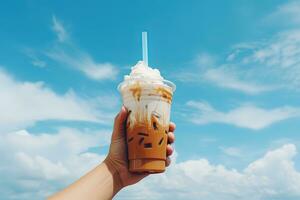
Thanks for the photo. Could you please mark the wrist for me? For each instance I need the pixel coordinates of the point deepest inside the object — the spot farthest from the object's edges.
(117, 181)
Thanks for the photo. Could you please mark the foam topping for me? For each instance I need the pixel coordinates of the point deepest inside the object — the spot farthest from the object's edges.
(144, 72)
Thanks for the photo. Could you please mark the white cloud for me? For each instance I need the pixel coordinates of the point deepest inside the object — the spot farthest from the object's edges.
(231, 151)
(83, 62)
(205, 60)
(35, 165)
(280, 59)
(35, 60)
(275, 60)
(256, 67)
(59, 29)
(66, 53)
(246, 116)
(286, 14)
(224, 76)
(39, 63)
(227, 77)
(271, 177)
(24, 103)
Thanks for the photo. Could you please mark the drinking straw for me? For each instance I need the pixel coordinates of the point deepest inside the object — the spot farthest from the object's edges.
(145, 47)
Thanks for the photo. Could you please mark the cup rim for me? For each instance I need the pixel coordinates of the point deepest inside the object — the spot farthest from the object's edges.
(165, 82)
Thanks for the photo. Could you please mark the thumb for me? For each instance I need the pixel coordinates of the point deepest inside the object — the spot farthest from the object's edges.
(120, 124)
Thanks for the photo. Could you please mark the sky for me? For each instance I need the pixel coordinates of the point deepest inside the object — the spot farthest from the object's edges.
(236, 65)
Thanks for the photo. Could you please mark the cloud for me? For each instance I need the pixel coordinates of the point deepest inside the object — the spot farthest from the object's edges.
(231, 151)
(59, 29)
(83, 62)
(286, 14)
(24, 103)
(260, 66)
(246, 116)
(36, 165)
(275, 60)
(35, 60)
(271, 177)
(39, 63)
(226, 75)
(280, 58)
(205, 60)
(66, 53)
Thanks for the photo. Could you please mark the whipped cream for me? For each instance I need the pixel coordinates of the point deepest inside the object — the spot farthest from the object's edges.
(143, 72)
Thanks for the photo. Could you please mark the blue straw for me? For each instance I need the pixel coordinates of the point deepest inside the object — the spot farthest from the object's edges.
(145, 47)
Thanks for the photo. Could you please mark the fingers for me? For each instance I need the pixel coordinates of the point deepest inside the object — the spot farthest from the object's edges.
(169, 150)
(119, 124)
(168, 161)
(172, 127)
(169, 153)
(171, 138)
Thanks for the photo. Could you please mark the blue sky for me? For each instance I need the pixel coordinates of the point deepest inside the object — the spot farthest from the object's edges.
(236, 66)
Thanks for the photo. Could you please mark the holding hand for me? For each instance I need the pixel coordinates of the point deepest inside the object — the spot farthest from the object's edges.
(103, 182)
(117, 157)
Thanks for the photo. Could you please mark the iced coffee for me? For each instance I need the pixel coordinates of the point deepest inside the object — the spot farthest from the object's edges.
(148, 97)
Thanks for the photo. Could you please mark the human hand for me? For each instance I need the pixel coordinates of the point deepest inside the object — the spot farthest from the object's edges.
(117, 158)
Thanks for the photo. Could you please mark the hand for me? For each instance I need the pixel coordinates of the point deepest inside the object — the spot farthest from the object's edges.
(117, 157)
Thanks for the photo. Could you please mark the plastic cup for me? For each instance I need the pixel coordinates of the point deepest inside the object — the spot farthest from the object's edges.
(149, 105)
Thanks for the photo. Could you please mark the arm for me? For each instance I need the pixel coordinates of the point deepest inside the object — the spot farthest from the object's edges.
(108, 178)
(100, 183)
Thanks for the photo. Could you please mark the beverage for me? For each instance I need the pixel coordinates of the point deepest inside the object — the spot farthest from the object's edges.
(148, 97)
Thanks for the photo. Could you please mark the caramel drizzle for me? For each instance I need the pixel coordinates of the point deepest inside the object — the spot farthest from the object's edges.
(165, 93)
(136, 91)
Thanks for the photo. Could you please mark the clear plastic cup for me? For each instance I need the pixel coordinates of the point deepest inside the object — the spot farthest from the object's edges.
(149, 105)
